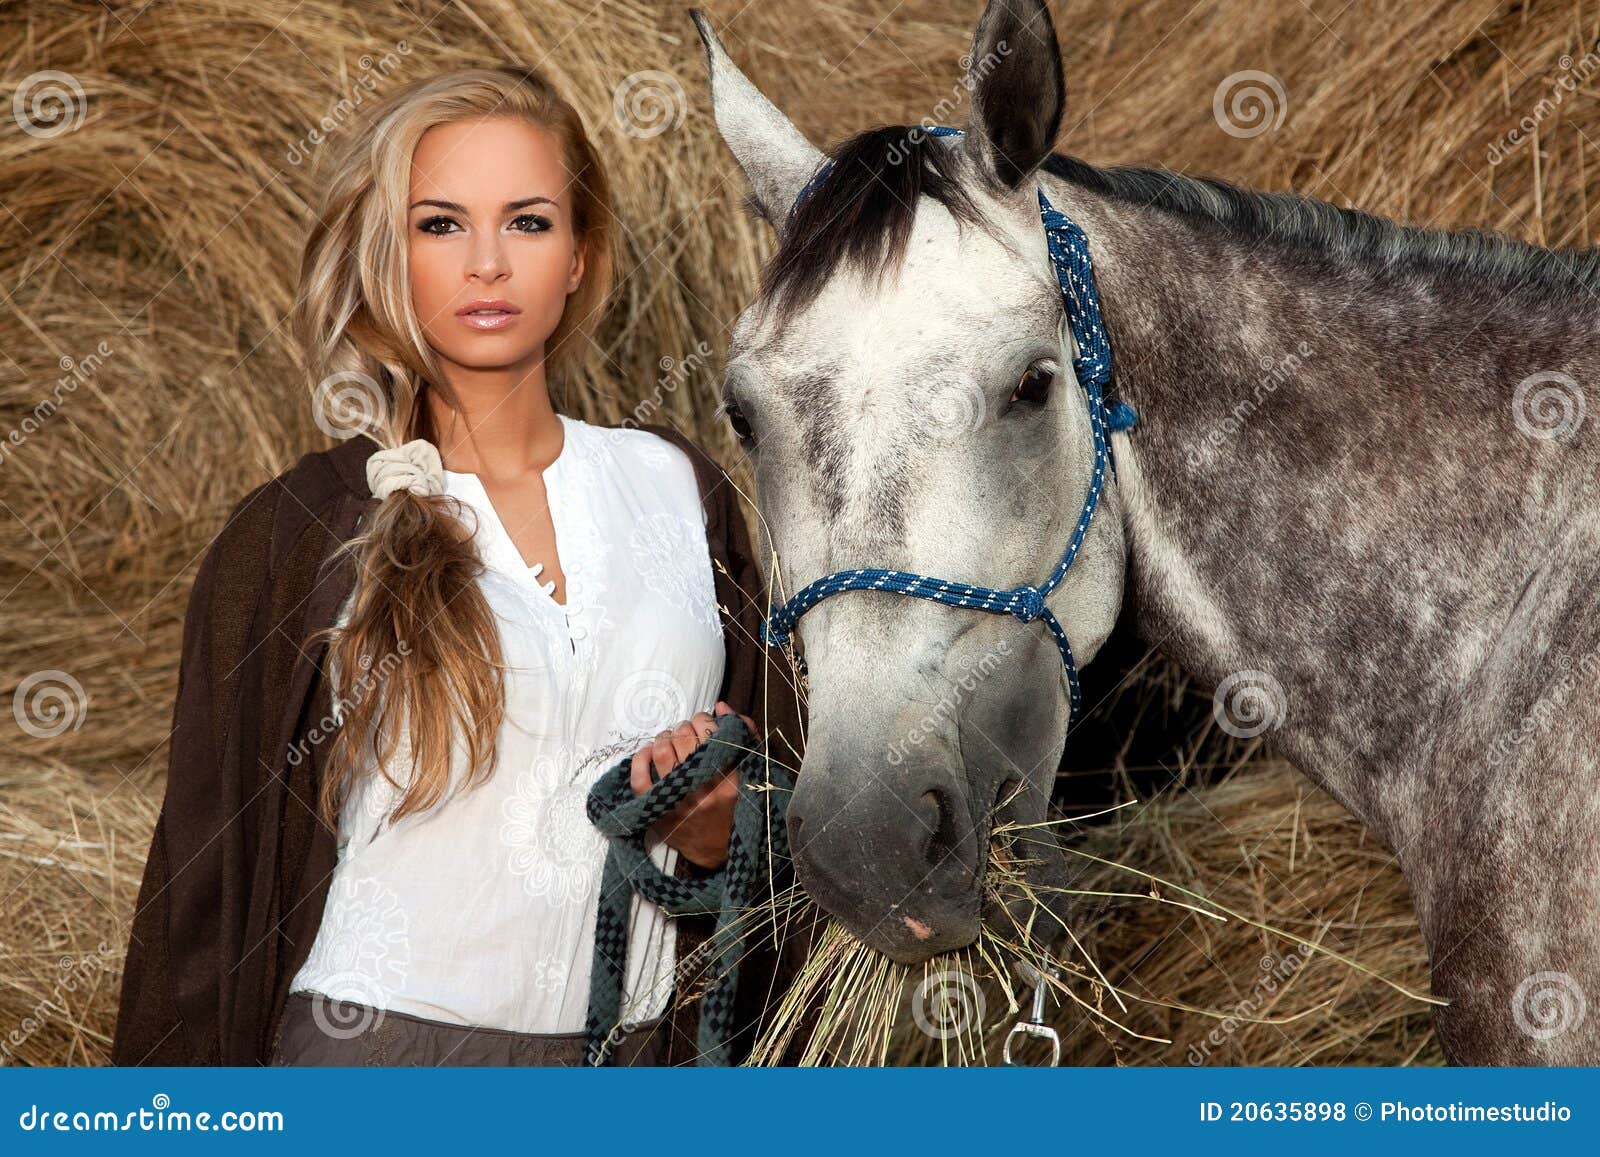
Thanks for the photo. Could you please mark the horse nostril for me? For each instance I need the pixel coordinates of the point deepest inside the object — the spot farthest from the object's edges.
(1008, 792)
(943, 839)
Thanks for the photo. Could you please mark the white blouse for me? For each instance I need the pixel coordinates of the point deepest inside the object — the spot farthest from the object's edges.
(481, 910)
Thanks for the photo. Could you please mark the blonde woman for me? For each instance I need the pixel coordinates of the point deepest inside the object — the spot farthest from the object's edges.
(407, 658)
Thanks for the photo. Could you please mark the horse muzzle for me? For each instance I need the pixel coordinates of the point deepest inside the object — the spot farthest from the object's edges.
(895, 858)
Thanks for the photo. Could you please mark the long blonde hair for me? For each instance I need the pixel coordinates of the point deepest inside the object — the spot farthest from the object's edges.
(420, 632)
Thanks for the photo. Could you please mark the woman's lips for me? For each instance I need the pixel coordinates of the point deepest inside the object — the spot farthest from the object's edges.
(487, 320)
(488, 315)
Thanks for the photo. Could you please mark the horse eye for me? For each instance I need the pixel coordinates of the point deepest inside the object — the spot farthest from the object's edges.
(1034, 386)
(741, 426)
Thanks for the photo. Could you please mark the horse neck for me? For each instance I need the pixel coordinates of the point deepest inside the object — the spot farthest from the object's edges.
(1328, 484)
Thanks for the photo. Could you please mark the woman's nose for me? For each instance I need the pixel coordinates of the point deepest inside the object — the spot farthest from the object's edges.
(487, 260)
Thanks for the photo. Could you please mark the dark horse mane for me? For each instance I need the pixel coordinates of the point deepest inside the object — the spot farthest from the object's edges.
(859, 215)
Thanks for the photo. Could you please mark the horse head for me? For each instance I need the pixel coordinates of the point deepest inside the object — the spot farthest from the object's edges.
(904, 388)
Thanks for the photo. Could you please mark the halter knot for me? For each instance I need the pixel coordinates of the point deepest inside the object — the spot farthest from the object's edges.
(1027, 602)
(772, 635)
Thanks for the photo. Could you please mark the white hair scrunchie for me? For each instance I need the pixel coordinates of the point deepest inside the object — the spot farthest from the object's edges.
(415, 466)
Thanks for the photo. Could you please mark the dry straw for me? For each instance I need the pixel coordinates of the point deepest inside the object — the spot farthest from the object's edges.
(149, 242)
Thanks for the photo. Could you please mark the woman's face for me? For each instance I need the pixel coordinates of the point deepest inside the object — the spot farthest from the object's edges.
(490, 221)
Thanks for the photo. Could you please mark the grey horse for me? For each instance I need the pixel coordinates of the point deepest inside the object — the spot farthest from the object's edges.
(1359, 501)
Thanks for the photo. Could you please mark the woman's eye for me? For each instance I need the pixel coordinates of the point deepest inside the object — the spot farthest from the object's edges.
(432, 223)
(1034, 385)
(741, 426)
(531, 223)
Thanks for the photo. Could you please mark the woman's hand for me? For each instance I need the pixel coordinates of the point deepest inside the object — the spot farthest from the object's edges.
(702, 823)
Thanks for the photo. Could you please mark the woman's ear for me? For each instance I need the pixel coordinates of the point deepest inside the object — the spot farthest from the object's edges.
(575, 275)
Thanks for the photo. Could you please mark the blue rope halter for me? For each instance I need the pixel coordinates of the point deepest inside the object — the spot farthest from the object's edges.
(1069, 255)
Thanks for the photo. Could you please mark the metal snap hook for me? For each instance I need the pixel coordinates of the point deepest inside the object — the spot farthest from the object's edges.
(1034, 1025)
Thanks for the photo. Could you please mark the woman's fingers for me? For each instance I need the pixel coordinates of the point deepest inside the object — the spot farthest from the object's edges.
(672, 746)
(664, 753)
(639, 771)
(711, 797)
(723, 708)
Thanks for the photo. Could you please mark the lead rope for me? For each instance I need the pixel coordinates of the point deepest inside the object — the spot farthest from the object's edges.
(757, 864)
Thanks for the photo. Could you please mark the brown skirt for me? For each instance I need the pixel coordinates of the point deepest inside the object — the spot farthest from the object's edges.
(316, 1030)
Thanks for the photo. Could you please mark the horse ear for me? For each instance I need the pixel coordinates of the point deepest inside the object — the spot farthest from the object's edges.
(776, 157)
(1018, 97)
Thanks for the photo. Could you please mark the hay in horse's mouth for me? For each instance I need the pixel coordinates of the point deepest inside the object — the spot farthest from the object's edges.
(851, 1005)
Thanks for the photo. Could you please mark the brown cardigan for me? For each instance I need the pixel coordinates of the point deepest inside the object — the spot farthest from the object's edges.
(239, 864)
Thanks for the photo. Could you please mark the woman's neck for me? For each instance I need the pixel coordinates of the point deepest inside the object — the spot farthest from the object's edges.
(506, 427)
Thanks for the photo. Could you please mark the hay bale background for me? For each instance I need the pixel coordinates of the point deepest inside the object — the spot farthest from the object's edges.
(146, 379)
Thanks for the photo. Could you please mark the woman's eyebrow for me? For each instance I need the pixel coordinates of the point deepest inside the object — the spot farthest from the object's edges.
(510, 205)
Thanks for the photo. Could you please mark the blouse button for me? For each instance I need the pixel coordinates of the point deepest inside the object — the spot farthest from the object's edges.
(580, 631)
